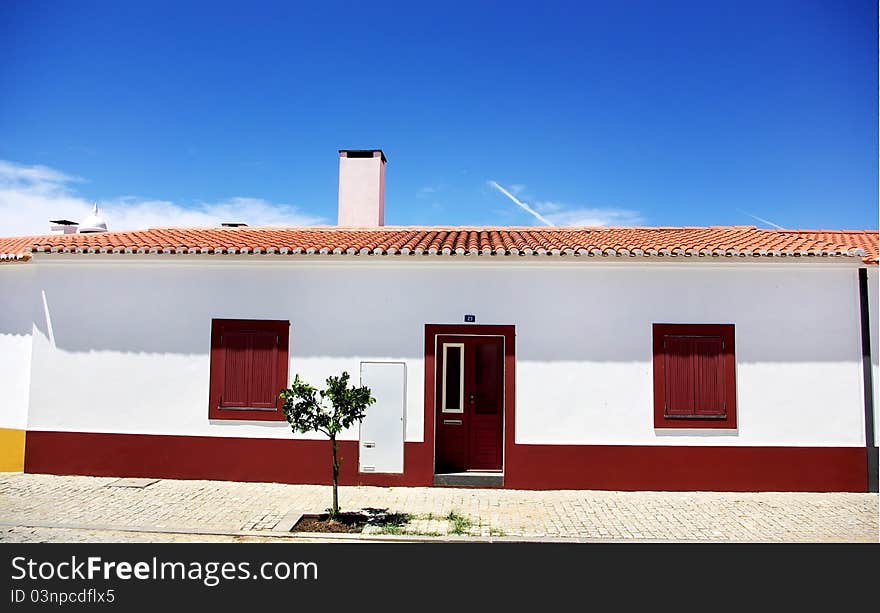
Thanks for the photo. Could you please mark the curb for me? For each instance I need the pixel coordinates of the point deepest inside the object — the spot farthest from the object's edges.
(282, 535)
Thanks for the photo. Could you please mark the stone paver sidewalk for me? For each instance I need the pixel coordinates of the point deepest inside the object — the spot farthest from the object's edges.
(58, 503)
(87, 535)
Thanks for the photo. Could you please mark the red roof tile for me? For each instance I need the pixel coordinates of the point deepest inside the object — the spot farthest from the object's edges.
(865, 239)
(479, 241)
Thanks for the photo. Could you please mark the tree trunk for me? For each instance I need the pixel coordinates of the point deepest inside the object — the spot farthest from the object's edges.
(334, 510)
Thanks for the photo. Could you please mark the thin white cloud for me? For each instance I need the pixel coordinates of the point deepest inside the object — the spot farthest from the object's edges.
(19, 174)
(559, 214)
(32, 195)
(567, 215)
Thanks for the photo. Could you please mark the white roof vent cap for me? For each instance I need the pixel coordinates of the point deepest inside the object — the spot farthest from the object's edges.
(93, 223)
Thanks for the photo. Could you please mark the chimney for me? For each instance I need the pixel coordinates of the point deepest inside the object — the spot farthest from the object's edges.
(62, 226)
(361, 187)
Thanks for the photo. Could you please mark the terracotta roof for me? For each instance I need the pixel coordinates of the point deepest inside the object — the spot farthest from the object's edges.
(457, 241)
(865, 239)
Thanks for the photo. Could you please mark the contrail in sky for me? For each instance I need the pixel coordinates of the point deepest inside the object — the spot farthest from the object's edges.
(522, 204)
(761, 219)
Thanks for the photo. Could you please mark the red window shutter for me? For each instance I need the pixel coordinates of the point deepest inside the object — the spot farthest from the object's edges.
(249, 360)
(678, 353)
(708, 376)
(236, 347)
(694, 376)
(263, 393)
(694, 372)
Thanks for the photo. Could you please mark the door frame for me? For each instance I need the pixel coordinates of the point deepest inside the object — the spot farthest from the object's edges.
(508, 335)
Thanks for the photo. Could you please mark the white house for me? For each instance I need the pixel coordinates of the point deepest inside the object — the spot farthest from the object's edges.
(720, 358)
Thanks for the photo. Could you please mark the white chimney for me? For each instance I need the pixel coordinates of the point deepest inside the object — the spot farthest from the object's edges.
(361, 187)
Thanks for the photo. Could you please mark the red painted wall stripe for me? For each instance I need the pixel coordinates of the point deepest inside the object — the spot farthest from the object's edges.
(210, 457)
(680, 468)
(604, 467)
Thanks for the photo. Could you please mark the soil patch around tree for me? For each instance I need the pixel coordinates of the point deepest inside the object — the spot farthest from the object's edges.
(344, 522)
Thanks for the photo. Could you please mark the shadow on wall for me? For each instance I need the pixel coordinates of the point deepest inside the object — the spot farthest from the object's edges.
(575, 314)
(19, 300)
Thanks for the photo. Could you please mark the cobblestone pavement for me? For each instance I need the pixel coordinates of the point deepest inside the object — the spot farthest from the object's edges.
(22, 534)
(37, 507)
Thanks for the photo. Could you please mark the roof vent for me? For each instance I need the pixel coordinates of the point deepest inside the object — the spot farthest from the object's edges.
(93, 223)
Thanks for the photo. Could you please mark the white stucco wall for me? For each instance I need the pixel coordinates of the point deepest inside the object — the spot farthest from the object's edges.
(129, 341)
(16, 323)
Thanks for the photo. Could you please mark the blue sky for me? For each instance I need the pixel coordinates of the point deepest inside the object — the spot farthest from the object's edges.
(653, 113)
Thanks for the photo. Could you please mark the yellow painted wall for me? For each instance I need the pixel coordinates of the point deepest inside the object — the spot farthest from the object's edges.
(11, 450)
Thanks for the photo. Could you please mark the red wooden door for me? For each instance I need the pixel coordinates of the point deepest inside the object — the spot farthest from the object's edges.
(470, 402)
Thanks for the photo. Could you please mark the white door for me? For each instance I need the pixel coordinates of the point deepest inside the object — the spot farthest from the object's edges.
(382, 429)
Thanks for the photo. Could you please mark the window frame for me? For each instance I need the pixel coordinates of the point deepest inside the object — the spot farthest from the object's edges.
(218, 361)
(461, 374)
(728, 360)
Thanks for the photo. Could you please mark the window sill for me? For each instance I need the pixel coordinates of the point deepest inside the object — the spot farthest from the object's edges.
(219, 414)
(246, 422)
(701, 431)
(695, 423)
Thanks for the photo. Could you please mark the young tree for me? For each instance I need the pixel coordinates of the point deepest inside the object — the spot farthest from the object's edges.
(306, 410)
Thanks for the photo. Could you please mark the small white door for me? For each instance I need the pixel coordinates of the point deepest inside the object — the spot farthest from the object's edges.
(382, 429)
